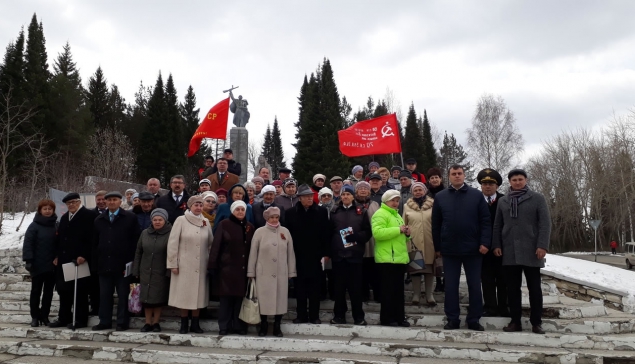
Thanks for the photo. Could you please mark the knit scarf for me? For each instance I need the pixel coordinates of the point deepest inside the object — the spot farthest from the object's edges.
(419, 200)
(273, 226)
(514, 196)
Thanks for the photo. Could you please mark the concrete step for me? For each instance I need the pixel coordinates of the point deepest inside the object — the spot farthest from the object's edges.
(170, 347)
(587, 326)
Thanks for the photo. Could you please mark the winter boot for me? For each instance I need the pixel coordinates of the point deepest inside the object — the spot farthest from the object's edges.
(264, 326)
(195, 326)
(276, 326)
(183, 329)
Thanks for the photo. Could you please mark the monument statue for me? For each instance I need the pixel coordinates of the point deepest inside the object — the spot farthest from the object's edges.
(239, 108)
(262, 163)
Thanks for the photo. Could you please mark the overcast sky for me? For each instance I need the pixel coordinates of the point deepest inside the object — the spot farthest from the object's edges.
(558, 64)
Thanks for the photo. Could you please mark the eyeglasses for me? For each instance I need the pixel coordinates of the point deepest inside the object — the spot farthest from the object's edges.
(72, 202)
(210, 202)
(177, 183)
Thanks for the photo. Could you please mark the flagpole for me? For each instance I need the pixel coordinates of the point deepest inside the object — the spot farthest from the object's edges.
(401, 154)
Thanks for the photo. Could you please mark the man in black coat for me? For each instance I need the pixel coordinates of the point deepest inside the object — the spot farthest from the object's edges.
(268, 197)
(73, 244)
(350, 231)
(175, 201)
(462, 234)
(308, 224)
(492, 276)
(115, 243)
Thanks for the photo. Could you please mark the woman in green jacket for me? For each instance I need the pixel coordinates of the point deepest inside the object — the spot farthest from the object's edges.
(391, 256)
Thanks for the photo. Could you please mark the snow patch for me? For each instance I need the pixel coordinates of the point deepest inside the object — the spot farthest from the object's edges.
(11, 239)
(596, 275)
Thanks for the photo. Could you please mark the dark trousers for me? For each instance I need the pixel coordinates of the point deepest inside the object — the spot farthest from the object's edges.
(41, 285)
(308, 288)
(66, 305)
(328, 285)
(228, 313)
(452, 272)
(613, 251)
(514, 276)
(392, 293)
(107, 284)
(348, 277)
(370, 280)
(93, 293)
(494, 285)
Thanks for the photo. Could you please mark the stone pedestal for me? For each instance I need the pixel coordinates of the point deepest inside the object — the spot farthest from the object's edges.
(239, 143)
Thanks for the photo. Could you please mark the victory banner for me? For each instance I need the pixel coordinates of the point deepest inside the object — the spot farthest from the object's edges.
(368, 137)
(213, 126)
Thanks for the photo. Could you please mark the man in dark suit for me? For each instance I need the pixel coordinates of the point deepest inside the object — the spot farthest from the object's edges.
(100, 202)
(309, 226)
(114, 246)
(492, 277)
(268, 197)
(232, 166)
(222, 178)
(73, 244)
(175, 201)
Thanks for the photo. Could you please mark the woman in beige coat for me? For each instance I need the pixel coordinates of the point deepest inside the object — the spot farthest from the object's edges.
(417, 214)
(271, 263)
(188, 252)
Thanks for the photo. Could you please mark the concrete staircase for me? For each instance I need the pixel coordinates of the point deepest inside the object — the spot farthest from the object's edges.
(577, 332)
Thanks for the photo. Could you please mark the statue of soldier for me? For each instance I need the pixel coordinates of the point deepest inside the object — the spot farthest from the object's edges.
(239, 108)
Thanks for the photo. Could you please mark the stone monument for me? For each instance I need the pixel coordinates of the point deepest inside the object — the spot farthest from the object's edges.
(238, 135)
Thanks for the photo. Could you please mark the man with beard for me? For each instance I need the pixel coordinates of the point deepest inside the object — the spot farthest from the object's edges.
(175, 201)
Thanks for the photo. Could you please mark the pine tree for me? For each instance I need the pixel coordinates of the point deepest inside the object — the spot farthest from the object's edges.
(153, 150)
(118, 109)
(412, 146)
(266, 146)
(138, 116)
(317, 144)
(276, 155)
(98, 97)
(189, 114)
(177, 157)
(452, 153)
(429, 153)
(70, 124)
(36, 73)
(12, 68)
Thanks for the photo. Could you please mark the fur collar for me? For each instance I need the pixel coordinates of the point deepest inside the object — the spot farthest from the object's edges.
(427, 204)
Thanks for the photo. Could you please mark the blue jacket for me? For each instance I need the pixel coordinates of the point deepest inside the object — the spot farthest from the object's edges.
(460, 221)
(223, 210)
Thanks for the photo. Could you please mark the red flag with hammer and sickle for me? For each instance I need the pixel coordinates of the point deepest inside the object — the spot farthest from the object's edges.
(375, 136)
(214, 126)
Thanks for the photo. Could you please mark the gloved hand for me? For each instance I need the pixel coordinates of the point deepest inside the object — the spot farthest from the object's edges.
(212, 272)
(352, 238)
(28, 265)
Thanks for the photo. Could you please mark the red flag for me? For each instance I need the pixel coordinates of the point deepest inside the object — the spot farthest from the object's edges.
(214, 125)
(374, 136)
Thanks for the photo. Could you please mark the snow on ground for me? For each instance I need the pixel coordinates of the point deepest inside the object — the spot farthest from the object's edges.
(595, 274)
(10, 239)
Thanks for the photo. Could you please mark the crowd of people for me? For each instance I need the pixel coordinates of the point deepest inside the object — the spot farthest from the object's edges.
(351, 240)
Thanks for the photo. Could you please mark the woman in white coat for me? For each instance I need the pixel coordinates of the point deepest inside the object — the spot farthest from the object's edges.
(188, 253)
(271, 264)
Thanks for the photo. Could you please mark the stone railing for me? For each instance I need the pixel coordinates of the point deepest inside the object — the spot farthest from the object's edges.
(583, 291)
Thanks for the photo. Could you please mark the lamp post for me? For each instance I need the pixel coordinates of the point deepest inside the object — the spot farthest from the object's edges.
(595, 224)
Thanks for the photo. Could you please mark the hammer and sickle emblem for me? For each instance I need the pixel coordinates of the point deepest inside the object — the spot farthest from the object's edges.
(211, 116)
(386, 131)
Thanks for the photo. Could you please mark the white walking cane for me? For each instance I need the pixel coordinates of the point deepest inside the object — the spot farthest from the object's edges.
(75, 294)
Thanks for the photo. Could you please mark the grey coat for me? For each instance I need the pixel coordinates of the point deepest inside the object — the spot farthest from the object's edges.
(150, 265)
(520, 237)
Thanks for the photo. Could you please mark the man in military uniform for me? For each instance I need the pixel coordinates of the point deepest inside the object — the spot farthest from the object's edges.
(492, 278)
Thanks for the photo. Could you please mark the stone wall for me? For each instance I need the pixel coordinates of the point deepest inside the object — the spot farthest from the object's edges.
(579, 291)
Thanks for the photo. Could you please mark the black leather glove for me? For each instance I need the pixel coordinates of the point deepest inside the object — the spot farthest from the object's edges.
(352, 238)
(28, 265)
(212, 272)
